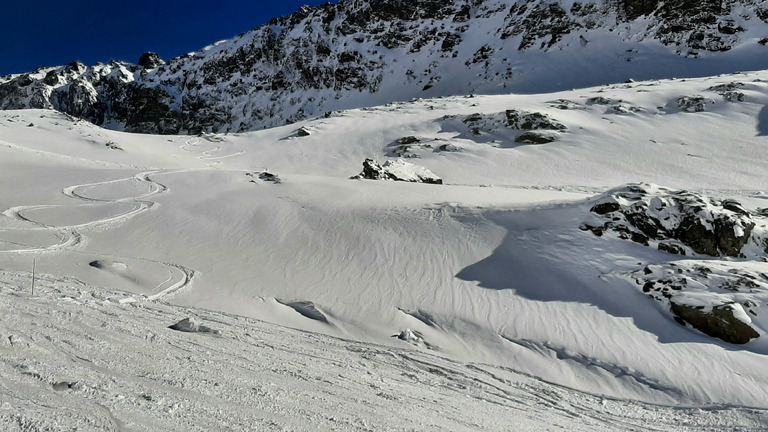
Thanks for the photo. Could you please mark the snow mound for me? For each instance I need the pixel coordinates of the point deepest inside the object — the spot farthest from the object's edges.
(397, 170)
(307, 309)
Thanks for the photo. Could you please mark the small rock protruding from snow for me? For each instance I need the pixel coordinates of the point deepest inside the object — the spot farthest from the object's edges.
(269, 177)
(397, 170)
(265, 176)
(523, 120)
(192, 325)
(408, 335)
(536, 138)
(693, 103)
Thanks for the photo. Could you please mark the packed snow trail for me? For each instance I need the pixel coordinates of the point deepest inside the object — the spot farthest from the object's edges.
(100, 363)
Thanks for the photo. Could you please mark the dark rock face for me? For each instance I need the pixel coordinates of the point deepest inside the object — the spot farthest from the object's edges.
(678, 222)
(150, 60)
(718, 322)
(371, 170)
(532, 121)
(336, 52)
(148, 111)
(535, 138)
(79, 99)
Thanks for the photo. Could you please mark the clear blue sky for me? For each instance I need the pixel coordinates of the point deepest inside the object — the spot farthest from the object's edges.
(48, 33)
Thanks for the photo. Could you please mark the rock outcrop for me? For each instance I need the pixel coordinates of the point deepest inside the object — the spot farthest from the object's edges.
(716, 279)
(680, 222)
(719, 322)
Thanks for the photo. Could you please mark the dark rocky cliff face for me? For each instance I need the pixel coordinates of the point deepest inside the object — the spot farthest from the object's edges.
(358, 52)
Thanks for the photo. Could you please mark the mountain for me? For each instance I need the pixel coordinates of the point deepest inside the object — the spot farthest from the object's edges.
(359, 53)
(527, 259)
(610, 240)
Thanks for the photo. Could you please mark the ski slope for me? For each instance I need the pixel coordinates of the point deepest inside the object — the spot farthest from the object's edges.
(487, 278)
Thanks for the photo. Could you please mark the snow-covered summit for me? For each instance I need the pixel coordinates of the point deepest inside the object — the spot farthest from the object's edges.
(361, 53)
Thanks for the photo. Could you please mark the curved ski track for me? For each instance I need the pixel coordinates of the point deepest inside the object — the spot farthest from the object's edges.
(70, 236)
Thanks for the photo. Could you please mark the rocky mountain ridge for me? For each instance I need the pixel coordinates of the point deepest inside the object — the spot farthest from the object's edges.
(361, 52)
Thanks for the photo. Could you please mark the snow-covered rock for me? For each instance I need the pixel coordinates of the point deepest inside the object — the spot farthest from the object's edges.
(192, 325)
(397, 170)
(680, 222)
(721, 299)
(717, 296)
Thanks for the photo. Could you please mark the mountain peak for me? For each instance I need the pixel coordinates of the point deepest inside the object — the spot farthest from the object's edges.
(356, 53)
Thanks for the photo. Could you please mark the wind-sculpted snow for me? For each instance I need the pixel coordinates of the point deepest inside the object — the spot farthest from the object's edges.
(489, 268)
(356, 53)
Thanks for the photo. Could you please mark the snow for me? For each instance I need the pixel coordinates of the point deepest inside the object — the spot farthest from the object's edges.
(520, 320)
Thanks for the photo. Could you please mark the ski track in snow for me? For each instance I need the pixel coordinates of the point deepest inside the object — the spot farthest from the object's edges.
(71, 235)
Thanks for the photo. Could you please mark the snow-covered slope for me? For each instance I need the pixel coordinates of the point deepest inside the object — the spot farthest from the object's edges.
(361, 53)
(492, 267)
(76, 357)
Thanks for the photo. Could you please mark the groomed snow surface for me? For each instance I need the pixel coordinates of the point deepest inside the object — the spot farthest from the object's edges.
(370, 305)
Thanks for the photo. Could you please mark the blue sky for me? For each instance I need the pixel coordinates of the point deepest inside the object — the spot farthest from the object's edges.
(47, 33)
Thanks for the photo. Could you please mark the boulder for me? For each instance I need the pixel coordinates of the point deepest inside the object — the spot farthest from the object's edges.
(719, 322)
(397, 170)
